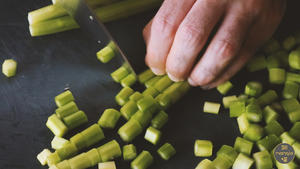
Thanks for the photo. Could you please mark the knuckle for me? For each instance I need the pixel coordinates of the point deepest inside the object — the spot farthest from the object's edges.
(164, 24)
(227, 50)
(191, 33)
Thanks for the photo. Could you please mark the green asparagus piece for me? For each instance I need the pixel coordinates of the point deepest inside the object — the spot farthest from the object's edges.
(287, 138)
(93, 156)
(290, 90)
(222, 162)
(243, 97)
(152, 135)
(152, 81)
(294, 59)
(53, 159)
(253, 88)
(107, 165)
(294, 116)
(211, 107)
(203, 148)
(119, 74)
(150, 91)
(57, 127)
(242, 145)
(130, 130)
(276, 76)
(273, 127)
(143, 118)
(290, 165)
(136, 96)
(225, 87)
(142, 161)
(290, 105)
(67, 151)
(164, 100)
(109, 118)
(243, 123)
(242, 162)
(268, 143)
(129, 152)
(92, 135)
(9, 67)
(263, 160)
(237, 108)
(123, 96)
(227, 152)
(64, 98)
(80, 161)
(294, 131)
(79, 141)
(205, 164)
(166, 151)
(145, 76)
(159, 120)
(75, 120)
(269, 114)
(66, 110)
(148, 104)
(254, 112)
(106, 54)
(273, 61)
(129, 80)
(163, 83)
(109, 151)
(294, 77)
(58, 142)
(296, 147)
(267, 98)
(129, 109)
(228, 100)
(254, 133)
(42, 156)
(46, 13)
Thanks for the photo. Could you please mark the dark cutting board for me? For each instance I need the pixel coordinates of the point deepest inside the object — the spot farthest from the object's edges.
(49, 64)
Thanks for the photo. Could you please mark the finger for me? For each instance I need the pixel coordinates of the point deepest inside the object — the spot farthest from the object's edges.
(223, 48)
(191, 36)
(260, 33)
(162, 32)
(147, 32)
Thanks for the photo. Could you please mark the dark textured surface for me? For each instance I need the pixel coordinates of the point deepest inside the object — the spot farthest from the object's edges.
(49, 64)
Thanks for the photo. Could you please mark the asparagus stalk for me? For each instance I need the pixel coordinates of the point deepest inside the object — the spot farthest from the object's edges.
(107, 13)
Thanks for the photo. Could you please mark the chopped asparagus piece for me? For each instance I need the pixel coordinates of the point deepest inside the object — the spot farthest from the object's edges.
(119, 74)
(109, 118)
(106, 54)
(93, 156)
(286, 138)
(244, 146)
(228, 100)
(150, 91)
(267, 98)
(9, 67)
(92, 135)
(254, 112)
(142, 161)
(57, 127)
(58, 142)
(253, 88)
(42, 156)
(166, 151)
(254, 133)
(67, 151)
(211, 107)
(294, 59)
(268, 143)
(163, 83)
(294, 77)
(152, 135)
(159, 120)
(243, 162)
(227, 152)
(243, 123)
(130, 130)
(294, 116)
(123, 96)
(270, 114)
(148, 104)
(129, 152)
(107, 165)
(263, 160)
(109, 151)
(164, 100)
(290, 105)
(277, 76)
(129, 109)
(145, 76)
(294, 131)
(273, 127)
(80, 161)
(225, 87)
(136, 96)
(46, 13)
(64, 98)
(66, 110)
(53, 159)
(203, 148)
(152, 81)
(75, 120)
(143, 118)
(290, 90)
(222, 162)
(205, 164)
(237, 108)
(79, 141)
(129, 80)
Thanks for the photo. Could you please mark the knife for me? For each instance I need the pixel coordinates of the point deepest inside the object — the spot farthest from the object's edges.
(83, 13)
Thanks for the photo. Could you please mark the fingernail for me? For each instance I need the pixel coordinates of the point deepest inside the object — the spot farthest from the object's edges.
(192, 82)
(173, 78)
(158, 71)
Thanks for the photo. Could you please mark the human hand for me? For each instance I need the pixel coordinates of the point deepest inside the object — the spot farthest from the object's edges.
(181, 28)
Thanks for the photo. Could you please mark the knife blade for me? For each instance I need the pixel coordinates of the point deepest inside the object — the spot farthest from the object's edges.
(82, 12)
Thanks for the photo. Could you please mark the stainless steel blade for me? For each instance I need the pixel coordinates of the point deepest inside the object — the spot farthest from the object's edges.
(83, 13)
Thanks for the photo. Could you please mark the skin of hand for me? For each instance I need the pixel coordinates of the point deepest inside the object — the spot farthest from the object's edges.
(181, 28)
